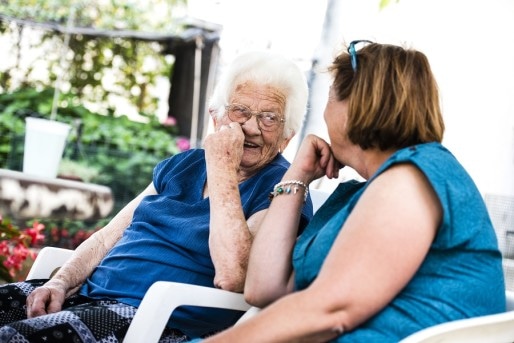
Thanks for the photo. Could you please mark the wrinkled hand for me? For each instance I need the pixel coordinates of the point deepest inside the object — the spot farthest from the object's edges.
(314, 159)
(45, 299)
(225, 146)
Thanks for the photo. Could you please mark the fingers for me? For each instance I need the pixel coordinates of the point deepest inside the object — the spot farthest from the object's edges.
(42, 301)
(332, 169)
(54, 306)
(224, 134)
(225, 146)
(331, 164)
(36, 302)
(234, 125)
(231, 125)
(325, 153)
(319, 153)
(36, 309)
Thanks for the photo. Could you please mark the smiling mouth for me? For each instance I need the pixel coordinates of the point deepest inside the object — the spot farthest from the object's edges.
(250, 145)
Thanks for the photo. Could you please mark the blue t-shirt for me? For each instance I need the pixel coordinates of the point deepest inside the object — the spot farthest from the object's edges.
(461, 275)
(168, 239)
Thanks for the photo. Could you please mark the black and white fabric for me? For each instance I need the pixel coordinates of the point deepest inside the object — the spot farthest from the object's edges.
(82, 320)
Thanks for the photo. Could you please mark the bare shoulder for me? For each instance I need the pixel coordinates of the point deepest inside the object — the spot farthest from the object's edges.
(404, 177)
(405, 190)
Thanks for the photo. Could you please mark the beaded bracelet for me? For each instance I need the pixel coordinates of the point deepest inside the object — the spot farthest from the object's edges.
(285, 187)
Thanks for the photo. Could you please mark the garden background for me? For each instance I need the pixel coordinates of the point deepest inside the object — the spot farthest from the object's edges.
(111, 81)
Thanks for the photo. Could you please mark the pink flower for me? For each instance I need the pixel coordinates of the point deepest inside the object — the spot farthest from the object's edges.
(15, 260)
(183, 143)
(4, 248)
(170, 121)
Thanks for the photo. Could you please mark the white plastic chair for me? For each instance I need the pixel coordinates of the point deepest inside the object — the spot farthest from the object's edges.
(318, 197)
(164, 297)
(48, 260)
(148, 326)
(495, 328)
(161, 299)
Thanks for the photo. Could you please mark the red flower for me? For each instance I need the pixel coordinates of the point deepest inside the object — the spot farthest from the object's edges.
(14, 247)
(35, 234)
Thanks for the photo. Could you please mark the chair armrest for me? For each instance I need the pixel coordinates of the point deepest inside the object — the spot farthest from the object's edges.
(489, 328)
(510, 300)
(47, 261)
(163, 297)
(248, 314)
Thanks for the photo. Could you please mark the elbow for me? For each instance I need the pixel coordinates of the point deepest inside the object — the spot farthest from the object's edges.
(256, 300)
(260, 296)
(229, 283)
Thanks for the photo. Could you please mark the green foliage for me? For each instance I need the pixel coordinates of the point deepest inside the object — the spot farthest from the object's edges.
(100, 71)
(77, 171)
(148, 15)
(123, 152)
(384, 3)
(97, 70)
(97, 73)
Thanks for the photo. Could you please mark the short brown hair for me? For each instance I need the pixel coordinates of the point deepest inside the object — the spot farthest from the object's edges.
(393, 97)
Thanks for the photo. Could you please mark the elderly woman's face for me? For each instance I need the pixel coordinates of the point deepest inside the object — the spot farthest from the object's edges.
(260, 146)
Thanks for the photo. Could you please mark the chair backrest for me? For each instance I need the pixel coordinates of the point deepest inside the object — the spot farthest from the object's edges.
(48, 260)
(318, 197)
(501, 211)
(496, 328)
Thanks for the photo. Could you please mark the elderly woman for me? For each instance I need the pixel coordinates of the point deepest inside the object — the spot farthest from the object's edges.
(411, 247)
(194, 223)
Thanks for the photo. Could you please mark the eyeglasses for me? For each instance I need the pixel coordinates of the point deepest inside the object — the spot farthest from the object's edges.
(353, 52)
(267, 121)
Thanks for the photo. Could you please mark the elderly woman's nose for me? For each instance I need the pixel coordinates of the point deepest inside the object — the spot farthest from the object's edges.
(251, 124)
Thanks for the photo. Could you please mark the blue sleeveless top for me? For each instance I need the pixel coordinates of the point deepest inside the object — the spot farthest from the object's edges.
(168, 239)
(462, 273)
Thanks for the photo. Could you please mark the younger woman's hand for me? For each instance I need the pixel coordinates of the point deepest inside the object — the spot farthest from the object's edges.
(314, 159)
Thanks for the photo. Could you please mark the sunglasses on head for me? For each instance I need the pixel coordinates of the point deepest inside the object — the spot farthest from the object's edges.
(353, 52)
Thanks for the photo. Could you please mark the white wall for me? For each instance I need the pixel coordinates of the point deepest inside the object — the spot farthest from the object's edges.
(470, 44)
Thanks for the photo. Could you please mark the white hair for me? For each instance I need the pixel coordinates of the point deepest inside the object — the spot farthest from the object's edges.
(270, 69)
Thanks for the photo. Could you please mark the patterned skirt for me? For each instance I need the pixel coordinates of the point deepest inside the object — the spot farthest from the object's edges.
(82, 320)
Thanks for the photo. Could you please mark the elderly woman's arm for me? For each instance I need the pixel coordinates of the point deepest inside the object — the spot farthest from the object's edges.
(230, 234)
(87, 256)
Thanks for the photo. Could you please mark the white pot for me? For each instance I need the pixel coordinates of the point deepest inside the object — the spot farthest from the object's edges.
(44, 145)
